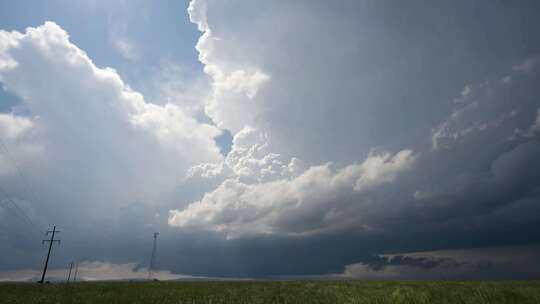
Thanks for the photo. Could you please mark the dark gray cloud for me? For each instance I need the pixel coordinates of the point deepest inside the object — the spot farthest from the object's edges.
(473, 263)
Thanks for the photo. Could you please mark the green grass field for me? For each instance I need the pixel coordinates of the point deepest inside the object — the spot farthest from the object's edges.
(252, 292)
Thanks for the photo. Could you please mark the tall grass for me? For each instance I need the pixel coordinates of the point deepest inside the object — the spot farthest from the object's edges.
(253, 292)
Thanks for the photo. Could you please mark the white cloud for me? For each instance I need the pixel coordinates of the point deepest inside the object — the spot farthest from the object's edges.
(16, 140)
(174, 129)
(12, 126)
(197, 14)
(249, 160)
(92, 89)
(8, 40)
(90, 121)
(235, 83)
(126, 48)
(93, 271)
(311, 202)
(184, 86)
(382, 168)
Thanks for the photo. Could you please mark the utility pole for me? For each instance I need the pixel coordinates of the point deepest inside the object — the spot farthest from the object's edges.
(76, 271)
(51, 241)
(70, 268)
(153, 257)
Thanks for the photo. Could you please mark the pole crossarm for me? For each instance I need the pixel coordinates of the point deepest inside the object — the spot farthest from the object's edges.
(46, 241)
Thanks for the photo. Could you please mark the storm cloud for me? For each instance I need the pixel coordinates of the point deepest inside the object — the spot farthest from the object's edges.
(363, 134)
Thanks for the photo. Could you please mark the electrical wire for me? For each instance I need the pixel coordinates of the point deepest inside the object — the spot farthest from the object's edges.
(20, 212)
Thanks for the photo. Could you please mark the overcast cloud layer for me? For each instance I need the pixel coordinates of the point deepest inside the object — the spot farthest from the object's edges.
(369, 139)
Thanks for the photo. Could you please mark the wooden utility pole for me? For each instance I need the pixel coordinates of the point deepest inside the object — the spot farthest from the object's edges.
(76, 271)
(153, 257)
(70, 268)
(50, 241)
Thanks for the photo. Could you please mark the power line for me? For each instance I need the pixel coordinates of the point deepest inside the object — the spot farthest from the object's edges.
(25, 183)
(20, 212)
(20, 175)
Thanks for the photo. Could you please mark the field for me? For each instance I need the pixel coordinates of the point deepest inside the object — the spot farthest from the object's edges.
(252, 292)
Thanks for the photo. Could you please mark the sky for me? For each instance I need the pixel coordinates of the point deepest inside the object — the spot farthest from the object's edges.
(271, 139)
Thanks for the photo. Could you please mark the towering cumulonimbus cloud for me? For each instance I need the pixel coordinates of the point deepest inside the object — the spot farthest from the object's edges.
(85, 119)
(234, 84)
(261, 191)
(325, 113)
